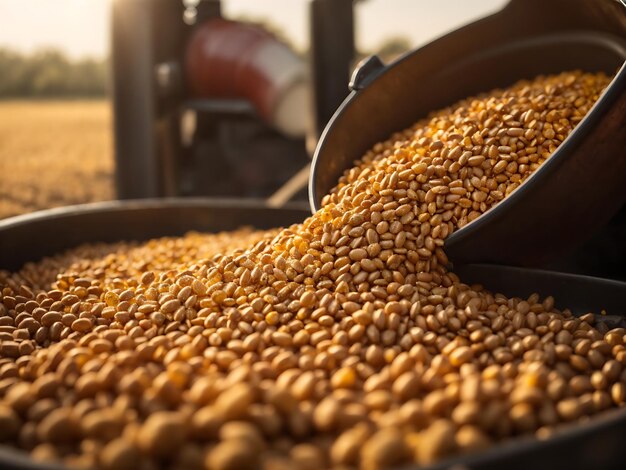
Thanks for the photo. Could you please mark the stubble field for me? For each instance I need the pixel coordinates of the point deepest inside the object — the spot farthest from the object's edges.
(54, 153)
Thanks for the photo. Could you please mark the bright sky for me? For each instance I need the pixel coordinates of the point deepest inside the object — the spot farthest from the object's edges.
(81, 27)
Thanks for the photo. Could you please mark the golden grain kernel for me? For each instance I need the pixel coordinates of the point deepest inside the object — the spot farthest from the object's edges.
(162, 434)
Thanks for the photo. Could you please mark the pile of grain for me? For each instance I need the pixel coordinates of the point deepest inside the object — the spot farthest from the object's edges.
(340, 342)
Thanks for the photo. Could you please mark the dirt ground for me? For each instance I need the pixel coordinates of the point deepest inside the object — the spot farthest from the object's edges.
(54, 153)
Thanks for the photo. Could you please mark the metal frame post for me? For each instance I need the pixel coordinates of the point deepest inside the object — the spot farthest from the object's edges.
(332, 53)
(143, 33)
(137, 170)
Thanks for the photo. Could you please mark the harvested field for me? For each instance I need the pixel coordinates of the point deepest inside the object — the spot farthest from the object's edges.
(54, 153)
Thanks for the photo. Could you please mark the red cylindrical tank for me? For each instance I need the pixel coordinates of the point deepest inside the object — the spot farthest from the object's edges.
(227, 59)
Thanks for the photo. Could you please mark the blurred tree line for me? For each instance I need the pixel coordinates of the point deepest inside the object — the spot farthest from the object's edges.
(50, 74)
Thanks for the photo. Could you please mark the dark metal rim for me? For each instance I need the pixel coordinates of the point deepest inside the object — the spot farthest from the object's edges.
(564, 276)
(138, 204)
(31, 237)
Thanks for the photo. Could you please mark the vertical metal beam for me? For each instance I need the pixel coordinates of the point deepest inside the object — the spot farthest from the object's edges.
(145, 33)
(332, 53)
(169, 35)
(137, 168)
(205, 153)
